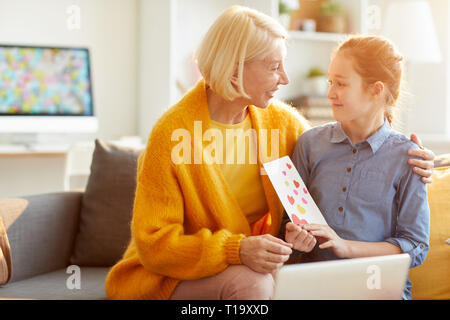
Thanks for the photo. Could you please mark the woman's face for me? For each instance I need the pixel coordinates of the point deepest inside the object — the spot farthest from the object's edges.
(263, 77)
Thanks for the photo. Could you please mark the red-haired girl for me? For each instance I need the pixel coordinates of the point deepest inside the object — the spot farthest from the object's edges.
(357, 167)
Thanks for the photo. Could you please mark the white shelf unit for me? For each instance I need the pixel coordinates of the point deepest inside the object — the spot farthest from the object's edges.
(169, 32)
(317, 36)
(165, 51)
(310, 49)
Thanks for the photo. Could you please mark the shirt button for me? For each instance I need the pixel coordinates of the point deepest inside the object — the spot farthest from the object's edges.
(349, 169)
(341, 209)
(354, 151)
(421, 246)
(344, 189)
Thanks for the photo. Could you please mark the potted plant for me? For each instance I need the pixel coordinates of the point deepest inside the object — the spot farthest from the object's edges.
(317, 82)
(332, 17)
(285, 9)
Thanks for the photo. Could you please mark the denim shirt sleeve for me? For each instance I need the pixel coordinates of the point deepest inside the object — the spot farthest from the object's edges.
(413, 219)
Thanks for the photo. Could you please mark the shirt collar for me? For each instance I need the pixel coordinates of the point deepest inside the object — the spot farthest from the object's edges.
(337, 134)
(375, 141)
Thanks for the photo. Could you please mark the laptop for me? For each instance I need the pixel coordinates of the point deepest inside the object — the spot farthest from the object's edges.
(373, 278)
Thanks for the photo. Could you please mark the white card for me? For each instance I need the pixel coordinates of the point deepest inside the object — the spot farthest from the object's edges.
(292, 191)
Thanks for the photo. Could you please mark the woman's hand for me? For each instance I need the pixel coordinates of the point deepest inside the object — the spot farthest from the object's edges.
(423, 167)
(301, 239)
(265, 253)
(328, 239)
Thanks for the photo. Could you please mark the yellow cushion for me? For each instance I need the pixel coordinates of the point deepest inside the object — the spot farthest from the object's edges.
(431, 280)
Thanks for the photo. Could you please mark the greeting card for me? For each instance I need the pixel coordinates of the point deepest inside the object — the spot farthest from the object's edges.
(292, 191)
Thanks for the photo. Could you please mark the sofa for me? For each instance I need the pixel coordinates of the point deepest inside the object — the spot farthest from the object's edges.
(62, 244)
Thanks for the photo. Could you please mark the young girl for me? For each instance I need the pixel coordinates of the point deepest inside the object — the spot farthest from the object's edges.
(356, 168)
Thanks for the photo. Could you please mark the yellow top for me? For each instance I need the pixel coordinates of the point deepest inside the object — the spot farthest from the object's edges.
(242, 171)
(186, 222)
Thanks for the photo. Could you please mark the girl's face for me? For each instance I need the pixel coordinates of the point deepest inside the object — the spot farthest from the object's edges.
(263, 77)
(350, 99)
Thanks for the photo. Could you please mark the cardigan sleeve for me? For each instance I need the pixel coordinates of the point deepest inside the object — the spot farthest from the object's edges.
(157, 224)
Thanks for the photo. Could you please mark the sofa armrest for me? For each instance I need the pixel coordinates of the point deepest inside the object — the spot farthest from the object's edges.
(41, 230)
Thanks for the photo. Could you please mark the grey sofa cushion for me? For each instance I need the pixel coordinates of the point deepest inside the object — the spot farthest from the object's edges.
(104, 230)
(53, 286)
(41, 231)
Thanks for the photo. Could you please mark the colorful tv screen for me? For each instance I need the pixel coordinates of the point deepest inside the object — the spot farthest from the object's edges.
(45, 81)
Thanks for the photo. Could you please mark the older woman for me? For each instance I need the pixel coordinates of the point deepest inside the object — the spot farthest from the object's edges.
(205, 218)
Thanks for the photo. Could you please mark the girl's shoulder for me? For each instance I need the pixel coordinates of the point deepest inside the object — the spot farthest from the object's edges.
(324, 127)
(317, 139)
(400, 143)
(324, 131)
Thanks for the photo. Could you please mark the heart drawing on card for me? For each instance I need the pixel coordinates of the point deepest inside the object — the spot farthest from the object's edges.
(303, 221)
(288, 165)
(301, 209)
(305, 191)
(291, 199)
(296, 184)
(283, 172)
(296, 220)
(304, 201)
(296, 192)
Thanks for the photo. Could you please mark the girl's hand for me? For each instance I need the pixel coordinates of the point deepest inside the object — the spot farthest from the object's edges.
(265, 253)
(301, 239)
(328, 239)
(423, 167)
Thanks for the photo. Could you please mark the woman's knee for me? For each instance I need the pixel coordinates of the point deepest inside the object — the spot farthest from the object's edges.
(247, 284)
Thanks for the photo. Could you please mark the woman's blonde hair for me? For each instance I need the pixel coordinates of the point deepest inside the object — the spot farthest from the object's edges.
(238, 35)
(376, 59)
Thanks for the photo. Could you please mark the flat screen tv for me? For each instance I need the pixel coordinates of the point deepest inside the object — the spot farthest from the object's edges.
(45, 89)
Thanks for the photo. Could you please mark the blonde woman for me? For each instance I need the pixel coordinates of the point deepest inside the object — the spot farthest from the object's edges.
(204, 222)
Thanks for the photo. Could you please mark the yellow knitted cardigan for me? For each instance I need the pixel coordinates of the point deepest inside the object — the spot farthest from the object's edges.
(186, 223)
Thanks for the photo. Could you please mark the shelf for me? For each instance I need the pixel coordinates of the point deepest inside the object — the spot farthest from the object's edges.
(33, 150)
(317, 36)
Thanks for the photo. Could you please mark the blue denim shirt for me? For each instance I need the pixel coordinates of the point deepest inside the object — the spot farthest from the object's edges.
(367, 191)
